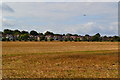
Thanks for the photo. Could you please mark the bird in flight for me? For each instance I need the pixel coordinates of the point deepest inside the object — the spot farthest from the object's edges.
(84, 15)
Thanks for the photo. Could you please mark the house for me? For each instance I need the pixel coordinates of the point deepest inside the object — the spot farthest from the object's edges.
(89, 38)
(81, 37)
(57, 37)
(31, 37)
(40, 37)
(16, 37)
(9, 37)
(64, 38)
(49, 37)
(73, 37)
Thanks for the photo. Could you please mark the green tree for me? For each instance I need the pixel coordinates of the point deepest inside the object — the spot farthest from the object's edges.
(68, 34)
(24, 37)
(63, 35)
(75, 34)
(115, 38)
(51, 39)
(96, 37)
(104, 38)
(65, 39)
(7, 31)
(41, 34)
(49, 33)
(78, 39)
(24, 32)
(87, 37)
(16, 32)
(34, 33)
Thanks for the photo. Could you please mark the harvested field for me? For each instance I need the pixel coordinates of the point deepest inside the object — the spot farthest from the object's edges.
(45, 47)
(60, 59)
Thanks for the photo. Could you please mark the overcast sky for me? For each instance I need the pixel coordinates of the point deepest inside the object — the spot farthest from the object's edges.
(62, 17)
(60, 0)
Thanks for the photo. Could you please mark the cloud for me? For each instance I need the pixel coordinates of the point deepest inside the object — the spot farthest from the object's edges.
(90, 28)
(81, 29)
(6, 8)
(63, 17)
(61, 1)
(61, 10)
(8, 23)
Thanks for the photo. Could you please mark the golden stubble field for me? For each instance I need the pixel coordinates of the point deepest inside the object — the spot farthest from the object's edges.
(60, 59)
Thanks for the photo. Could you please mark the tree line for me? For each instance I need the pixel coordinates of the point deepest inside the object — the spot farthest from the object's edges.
(17, 35)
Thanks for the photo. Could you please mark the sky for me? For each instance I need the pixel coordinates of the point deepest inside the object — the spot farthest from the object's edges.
(61, 17)
(60, 0)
